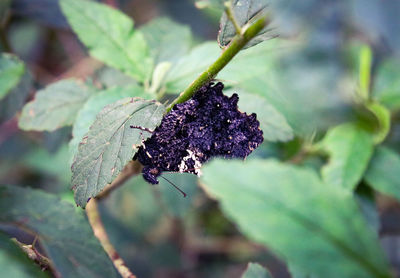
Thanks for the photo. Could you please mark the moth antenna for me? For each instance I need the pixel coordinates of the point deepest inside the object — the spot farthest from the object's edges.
(176, 187)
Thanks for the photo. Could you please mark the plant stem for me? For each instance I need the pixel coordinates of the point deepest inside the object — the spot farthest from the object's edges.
(100, 232)
(237, 43)
(365, 60)
(231, 16)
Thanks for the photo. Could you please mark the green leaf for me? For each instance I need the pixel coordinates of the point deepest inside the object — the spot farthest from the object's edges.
(296, 273)
(168, 41)
(252, 62)
(111, 143)
(174, 203)
(289, 210)
(110, 37)
(214, 4)
(256, 271)
(16, 98)
(304, 90)
(244, 67)
(11, 71)
(365, 198)
(53, 107)
(387, 84)
(159, 74)
(382, 115)
(111, 77)
(87, 115)
(350, 149)
(136, 207)
(245, 12)
(63, 231)
(272, 123)
(305, 107)
(38, 160)
(190, 66)
(15, 263)
(383, 172)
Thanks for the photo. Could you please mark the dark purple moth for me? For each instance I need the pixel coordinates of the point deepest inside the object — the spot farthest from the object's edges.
(207, 125)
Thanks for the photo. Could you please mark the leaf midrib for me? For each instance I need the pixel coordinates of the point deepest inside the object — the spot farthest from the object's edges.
(310, 225)
(41, 112)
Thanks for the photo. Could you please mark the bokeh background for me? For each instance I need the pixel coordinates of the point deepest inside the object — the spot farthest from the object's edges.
(156, 231)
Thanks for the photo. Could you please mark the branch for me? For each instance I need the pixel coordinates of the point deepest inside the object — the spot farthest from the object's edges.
(100, 232)
(237, 43)
(33, 254)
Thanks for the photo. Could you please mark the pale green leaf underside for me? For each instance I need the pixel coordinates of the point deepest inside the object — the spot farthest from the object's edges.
(383, 172)
(387, 84)
(11, 71)
(247, 64)
(213, 4)
(87, 115)
(63, 232)
(174, 204)
(256, 271)
(168, 41)
(296, 273)
(350, 149)
(110, 144)
(292, 212)
(252, 62)
(54, 164)
(190, 66)
(15, 263)
(272, 122)
(53, 107)
(245, 12)
(109, 36)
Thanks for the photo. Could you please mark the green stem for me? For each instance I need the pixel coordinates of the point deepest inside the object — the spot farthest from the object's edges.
(237, 43)
(366, 57)
(231, 16)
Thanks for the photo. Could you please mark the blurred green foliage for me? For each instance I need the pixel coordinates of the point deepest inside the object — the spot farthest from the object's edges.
(310, 201)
